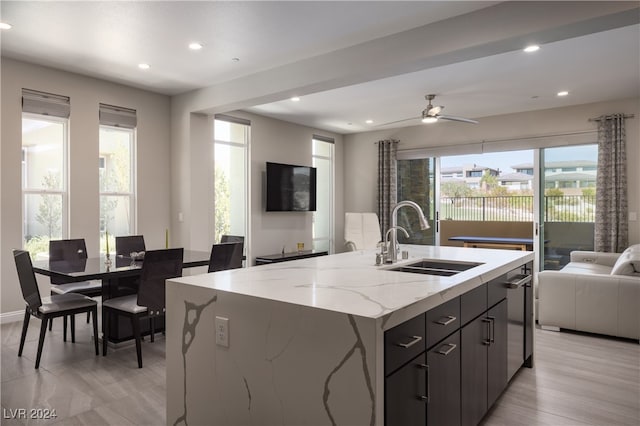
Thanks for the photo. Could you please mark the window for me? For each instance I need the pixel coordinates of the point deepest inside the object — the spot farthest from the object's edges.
(231, 141)
(322, 154)
(116, 168)
(44, 170)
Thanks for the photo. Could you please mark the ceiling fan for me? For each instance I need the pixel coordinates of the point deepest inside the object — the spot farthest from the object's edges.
(431, 114)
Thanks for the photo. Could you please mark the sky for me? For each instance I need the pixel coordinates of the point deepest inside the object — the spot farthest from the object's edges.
(504, 160)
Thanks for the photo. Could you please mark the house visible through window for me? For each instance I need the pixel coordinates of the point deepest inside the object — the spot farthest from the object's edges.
(45, 120)
(116, 168)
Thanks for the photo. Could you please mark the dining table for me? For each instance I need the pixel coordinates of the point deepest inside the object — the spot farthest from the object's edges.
(118, 275)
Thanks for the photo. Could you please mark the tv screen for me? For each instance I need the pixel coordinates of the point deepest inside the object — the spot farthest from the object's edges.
(290, 188)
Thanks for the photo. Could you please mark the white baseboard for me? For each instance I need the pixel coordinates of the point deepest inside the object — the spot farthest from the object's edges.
(550, 327)
(9, 317)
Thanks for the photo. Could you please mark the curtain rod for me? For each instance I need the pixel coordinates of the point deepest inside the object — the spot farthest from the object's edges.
(606, 117)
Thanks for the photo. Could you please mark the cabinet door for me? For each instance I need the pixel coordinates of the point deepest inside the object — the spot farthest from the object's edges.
(497, 352)
(406, 394)
(443, 385)
(474, 339)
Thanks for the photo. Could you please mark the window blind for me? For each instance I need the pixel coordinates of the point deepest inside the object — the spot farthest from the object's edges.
(118, 116)
(45, 103)
(324, 139)
(230, 119)
(499, 145)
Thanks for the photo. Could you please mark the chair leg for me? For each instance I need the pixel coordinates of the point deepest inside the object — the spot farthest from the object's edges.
(25, 326)
(73, 328)
(64, 326)
(88, 315)
(135, 324)
(50, 324)
(43, 332)
(152, 323)
(94, 313)
(105, 330)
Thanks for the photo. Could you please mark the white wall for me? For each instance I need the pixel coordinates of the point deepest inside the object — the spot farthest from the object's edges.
(271, 140)
(361, 181)
(153, 156)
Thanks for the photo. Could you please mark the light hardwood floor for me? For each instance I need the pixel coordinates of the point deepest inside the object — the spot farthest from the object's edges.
(577, 380)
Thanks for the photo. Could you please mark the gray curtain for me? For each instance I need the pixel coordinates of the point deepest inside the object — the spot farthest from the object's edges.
(387, 181)
(612, 226)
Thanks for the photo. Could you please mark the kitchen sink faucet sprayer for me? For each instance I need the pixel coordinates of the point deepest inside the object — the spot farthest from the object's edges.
(424, 224)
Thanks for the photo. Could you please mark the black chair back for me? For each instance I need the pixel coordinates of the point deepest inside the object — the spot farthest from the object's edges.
(129, 244)
(27, 278)
(225, 256)
(158, 266)
(70, 250)
(231, 239)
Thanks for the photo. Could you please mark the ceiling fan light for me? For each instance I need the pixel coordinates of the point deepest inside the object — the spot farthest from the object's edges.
(429, 119)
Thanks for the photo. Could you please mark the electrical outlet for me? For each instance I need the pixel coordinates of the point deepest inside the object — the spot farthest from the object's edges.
(222, 331)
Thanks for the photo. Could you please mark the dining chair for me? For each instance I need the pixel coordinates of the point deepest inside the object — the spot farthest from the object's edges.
(58, 305)
(225, 238)
(126, 245)
(158, 266)
(71, 250)
(225, 256)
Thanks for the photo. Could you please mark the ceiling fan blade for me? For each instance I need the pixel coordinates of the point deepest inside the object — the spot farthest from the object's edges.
(454, 118)
(397, 121)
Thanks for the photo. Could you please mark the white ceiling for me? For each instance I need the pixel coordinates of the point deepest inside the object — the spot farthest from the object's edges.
(108, 39)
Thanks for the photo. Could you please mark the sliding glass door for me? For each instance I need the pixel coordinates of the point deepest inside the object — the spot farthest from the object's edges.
(567, 190)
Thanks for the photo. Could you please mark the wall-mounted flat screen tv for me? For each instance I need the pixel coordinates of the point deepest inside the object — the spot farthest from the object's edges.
(290, 188)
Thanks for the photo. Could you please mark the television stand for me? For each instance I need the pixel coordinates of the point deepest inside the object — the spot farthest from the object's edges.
(284, 257)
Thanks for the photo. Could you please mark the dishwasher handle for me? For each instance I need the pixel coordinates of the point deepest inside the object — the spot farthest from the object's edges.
(518, 281)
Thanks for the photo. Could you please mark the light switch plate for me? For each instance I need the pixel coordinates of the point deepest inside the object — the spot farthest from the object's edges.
(633, 216)
(222, 331)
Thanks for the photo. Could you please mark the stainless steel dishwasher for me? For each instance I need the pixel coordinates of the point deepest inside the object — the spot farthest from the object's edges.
(516, 284)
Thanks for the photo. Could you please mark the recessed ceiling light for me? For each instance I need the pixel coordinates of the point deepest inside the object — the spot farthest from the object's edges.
(295, 99)
(369, 121)
(143, 66)
(195, 46)
(430, 120)
(5, 26)
(531, 48)
(563, 93)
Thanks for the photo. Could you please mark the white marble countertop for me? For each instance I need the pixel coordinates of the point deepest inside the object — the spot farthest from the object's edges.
(351, 283)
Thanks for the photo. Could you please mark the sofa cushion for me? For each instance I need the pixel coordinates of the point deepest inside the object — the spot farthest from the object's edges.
(586, 268)
(628, 263)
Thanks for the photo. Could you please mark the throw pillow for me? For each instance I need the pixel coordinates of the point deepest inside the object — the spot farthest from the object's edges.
(627, 264)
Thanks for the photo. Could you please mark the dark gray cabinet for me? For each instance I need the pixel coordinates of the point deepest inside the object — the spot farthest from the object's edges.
(406, 394)
(450, 364)
(483, 365)
(443, 382)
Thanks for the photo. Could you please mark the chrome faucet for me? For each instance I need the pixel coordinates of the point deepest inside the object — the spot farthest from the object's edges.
(386, 241)
(424, 224)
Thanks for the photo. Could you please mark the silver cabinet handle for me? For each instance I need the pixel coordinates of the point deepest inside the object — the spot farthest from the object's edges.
(415, 340)
(446, 320)
(445, 352)
(428, 396)
(519, 283)
(492, 329)
(487, 341)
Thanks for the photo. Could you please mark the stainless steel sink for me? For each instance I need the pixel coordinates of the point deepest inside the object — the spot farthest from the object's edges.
(443, 268)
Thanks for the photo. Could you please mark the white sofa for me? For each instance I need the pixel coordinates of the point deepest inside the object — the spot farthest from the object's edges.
(595, 292)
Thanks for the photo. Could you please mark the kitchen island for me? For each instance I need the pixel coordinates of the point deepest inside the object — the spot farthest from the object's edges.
(304, 342)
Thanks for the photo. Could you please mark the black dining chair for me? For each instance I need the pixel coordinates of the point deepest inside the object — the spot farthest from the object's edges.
(58, 305)
(71, 250)
(225, 256)
(129, 244)
(158, 266)
(225, 238)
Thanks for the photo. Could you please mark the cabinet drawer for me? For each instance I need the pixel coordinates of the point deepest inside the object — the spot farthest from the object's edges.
(404, 342)
(473, 303)
(497, 289)
(442, 321)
